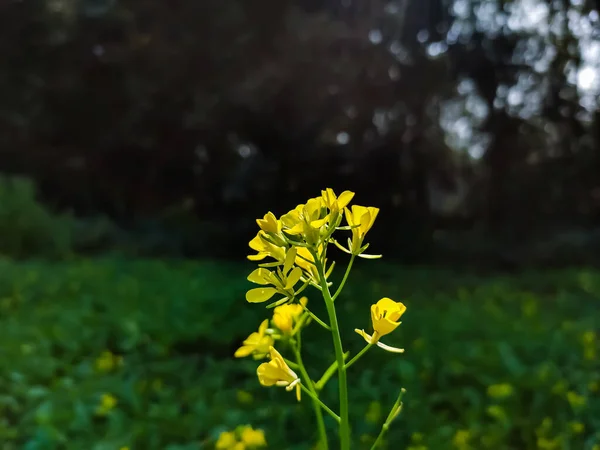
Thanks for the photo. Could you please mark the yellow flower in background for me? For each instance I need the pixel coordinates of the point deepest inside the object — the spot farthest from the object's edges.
(277, 373)
(361, 219)
(226, 441)
(107, 404)
(257, 344)
(575, 400)
(461, 439)
(253, 438)
(501, 390)
(107, 362)
(577, 427)
(286, 316)
(385, 316)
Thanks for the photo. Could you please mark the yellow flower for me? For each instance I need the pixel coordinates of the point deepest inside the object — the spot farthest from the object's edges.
(257, 344)
(265, 249)
(576, 427)
(461, 438)
(306, 220)
(269, 223)
(226, 441)
(575, 400)
(107, 403)
(282, 280)
(286, 316)
(385, 316)
(253, 438)
(335, 203)
(277, 373)
(107, 362)
(239, 446)
(501, 390)
(361, 219)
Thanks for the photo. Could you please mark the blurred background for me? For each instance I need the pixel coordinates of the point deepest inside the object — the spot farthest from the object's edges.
(140, 140)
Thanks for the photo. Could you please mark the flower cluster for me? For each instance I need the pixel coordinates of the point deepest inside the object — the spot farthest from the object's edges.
(242, 438)
(292, 255)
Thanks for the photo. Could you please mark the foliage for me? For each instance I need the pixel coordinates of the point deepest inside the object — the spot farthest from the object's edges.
(26, 226)
(491, 363)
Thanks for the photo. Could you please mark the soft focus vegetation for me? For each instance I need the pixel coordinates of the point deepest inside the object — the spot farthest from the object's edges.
(119, 353)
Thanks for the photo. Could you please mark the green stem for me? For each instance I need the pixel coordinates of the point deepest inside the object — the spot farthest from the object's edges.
(358, 355)
(317, 404)
(329, 373)
(344, 430)
(292, 365)
(341, 286)
(316, 319)
(396, 409)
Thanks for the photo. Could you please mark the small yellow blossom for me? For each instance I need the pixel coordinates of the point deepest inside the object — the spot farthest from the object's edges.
(306, 220)
(282, 281)
(107, 362)
(334, 203)
(501, 390)
(226, 441)
(269, 223)
(277, 373)
(576, 427)
(107, 404)
(244, 397)
(257, 344)
(374, 412)
(461, 439)
(253, 438)
(286, 316)
(575, 400)
(361, 219)
(385, 316)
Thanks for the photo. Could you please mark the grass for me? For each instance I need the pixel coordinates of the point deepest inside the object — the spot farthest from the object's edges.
(491, 363)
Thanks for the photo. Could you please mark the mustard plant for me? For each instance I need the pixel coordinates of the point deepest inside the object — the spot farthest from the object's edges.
(292, 252)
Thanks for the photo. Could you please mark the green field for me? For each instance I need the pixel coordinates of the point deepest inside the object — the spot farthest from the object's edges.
(491, 363)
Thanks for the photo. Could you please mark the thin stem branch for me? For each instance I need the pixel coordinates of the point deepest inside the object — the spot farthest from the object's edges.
(343, 282)
(331, 370)
(394, 412)
(323, 405)
(315, 318)
(358, 355)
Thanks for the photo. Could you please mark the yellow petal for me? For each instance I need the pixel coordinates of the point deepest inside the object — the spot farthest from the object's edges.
(268, 223)
(243, 351)
(367, 337)
(290, 257)
(293, 277)
(345, 198)
(259, 295)
(387, 348)
(263, 327)
(259, 276)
